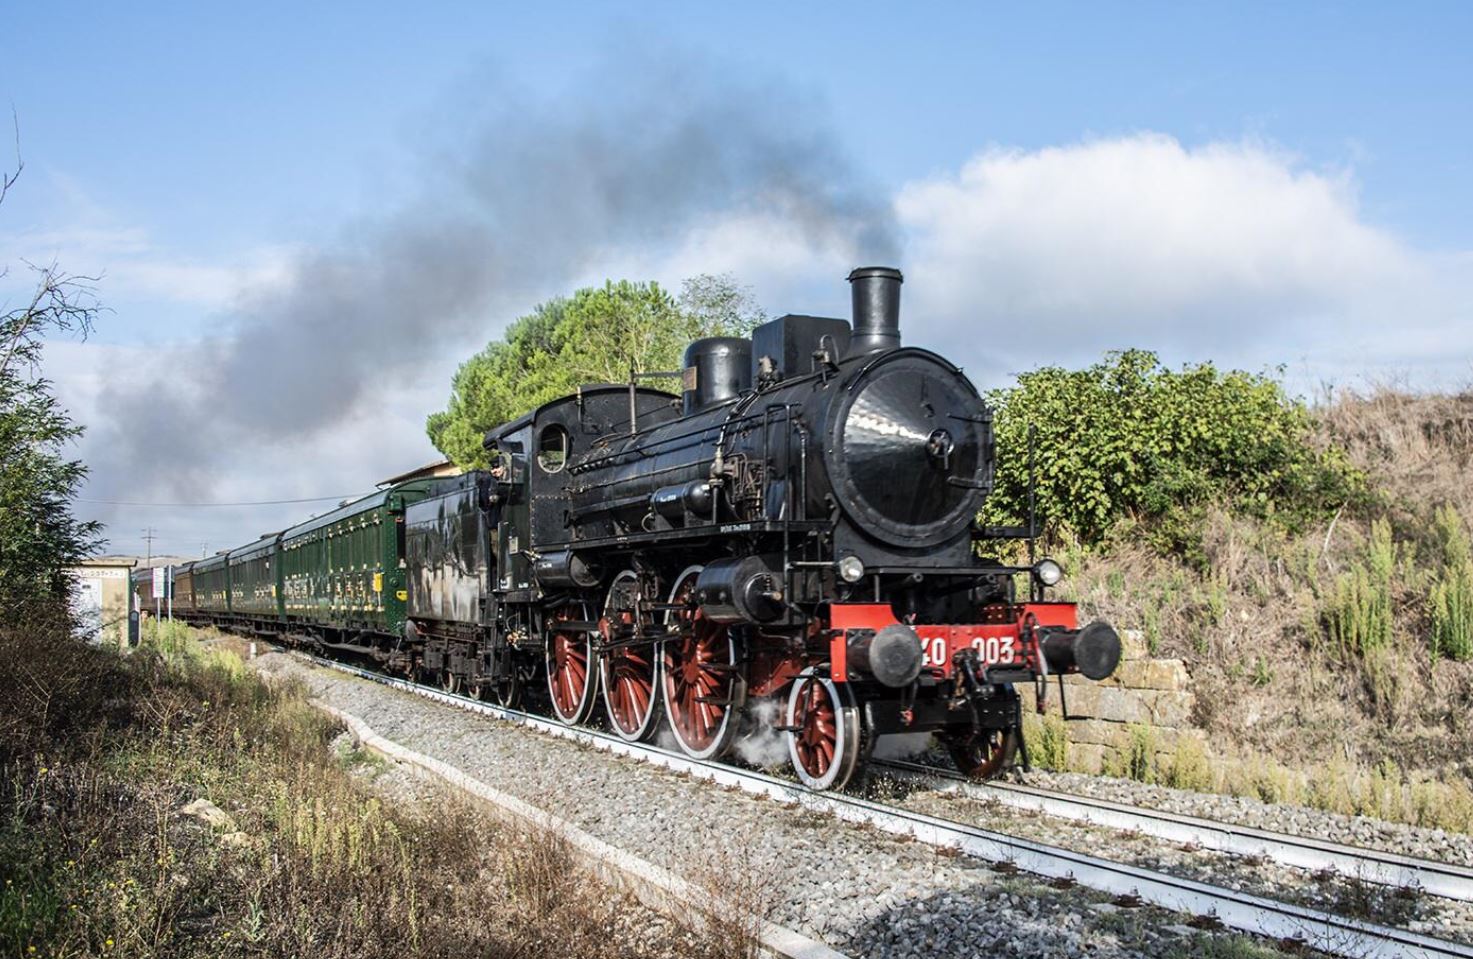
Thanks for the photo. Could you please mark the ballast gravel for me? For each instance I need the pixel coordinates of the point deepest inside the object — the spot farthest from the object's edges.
(862, 892)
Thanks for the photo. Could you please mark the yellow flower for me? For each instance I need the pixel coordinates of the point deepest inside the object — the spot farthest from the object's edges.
(109, 943)
(30, 949)
(43, 770)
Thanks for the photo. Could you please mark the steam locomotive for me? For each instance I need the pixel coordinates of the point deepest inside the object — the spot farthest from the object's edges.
(790, 545)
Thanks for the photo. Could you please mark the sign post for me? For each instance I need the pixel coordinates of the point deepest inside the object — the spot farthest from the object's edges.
(159, 585)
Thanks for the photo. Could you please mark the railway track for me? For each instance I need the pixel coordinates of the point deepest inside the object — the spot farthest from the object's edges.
(1209, 905)
(1370, 865)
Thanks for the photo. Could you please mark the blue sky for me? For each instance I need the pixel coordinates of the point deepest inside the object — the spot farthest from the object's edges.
(193, 152)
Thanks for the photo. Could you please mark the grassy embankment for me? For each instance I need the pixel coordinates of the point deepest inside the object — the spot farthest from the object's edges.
(101, 753)
(1331, 668)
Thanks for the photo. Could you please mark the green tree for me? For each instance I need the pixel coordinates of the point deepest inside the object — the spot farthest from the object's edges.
(39, 536)
(1131, 439)
(592, 336)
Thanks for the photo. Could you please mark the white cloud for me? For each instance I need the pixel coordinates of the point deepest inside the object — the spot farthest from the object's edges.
(1231, 251)
(132, 266)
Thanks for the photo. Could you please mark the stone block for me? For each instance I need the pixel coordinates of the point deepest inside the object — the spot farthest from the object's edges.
(1088, 758)
(1095, 732)
(1132, 644)
(1150, 674)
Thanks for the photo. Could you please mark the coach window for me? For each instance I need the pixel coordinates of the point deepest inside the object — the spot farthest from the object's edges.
(552, 448)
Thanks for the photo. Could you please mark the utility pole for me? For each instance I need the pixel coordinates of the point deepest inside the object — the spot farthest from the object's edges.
(149, 535)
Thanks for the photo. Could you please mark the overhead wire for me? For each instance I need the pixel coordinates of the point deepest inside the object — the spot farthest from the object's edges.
(263, 502)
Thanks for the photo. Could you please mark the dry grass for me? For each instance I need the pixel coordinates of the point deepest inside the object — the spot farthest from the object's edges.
(97, 858)
(1330, 666)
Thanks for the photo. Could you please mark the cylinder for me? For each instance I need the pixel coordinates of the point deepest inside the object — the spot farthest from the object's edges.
(1093, 651)
(740, 589)
(717, 369)
(876, 295)
(892, 656)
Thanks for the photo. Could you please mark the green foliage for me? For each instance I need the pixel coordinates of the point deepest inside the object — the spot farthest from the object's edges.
(1452, 592)
(1048, 740)
(1188, 767)
(1358, 617)
(1135, 758)
(1129, 439)
(39, 536)
(593, 336)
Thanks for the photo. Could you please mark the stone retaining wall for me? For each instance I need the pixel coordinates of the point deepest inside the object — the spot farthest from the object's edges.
(1153, 696)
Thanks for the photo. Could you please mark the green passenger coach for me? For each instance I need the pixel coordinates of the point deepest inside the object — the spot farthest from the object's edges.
(344, 570)
(212, 586)
(255, 580)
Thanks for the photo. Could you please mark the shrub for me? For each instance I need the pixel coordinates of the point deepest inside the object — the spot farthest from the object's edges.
(1129, 438)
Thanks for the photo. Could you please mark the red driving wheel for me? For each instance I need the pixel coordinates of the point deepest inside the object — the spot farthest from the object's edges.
(630, 672)
(571, 666)
(700, 676)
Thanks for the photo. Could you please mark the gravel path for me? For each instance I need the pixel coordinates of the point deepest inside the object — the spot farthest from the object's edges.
(865, 893)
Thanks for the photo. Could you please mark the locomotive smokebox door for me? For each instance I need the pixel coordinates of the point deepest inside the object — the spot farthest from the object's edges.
(908, 450)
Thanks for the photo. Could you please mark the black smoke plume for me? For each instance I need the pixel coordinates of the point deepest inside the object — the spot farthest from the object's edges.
(530, 190)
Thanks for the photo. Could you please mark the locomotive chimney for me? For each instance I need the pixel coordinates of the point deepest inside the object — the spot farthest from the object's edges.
(876, 291)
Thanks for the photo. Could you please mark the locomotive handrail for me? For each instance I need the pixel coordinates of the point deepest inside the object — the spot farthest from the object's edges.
(606, 458)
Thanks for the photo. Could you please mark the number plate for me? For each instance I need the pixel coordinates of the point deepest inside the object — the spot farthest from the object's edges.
(995, 645)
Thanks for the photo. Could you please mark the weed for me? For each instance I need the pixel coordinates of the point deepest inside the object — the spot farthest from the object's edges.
(1135, 758)
(1048, 740)
(1188, 767)
(1452, 592)
(1359, 616)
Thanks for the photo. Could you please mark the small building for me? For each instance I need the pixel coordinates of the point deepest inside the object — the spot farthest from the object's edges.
(435, 470)
(102, 597)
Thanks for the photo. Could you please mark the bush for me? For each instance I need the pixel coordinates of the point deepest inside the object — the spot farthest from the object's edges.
(1129, 439)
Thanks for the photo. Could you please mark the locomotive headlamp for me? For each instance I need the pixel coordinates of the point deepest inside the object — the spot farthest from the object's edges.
(851, 569)
(1048, 572)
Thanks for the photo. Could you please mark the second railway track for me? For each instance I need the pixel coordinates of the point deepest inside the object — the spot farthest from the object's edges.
(1234, 909)
(1447, 880)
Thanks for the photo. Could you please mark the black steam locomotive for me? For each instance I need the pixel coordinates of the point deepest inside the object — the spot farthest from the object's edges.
(798, 529)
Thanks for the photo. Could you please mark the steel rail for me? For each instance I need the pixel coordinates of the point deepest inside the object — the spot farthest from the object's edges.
(1371, 865)
(1337, 935)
